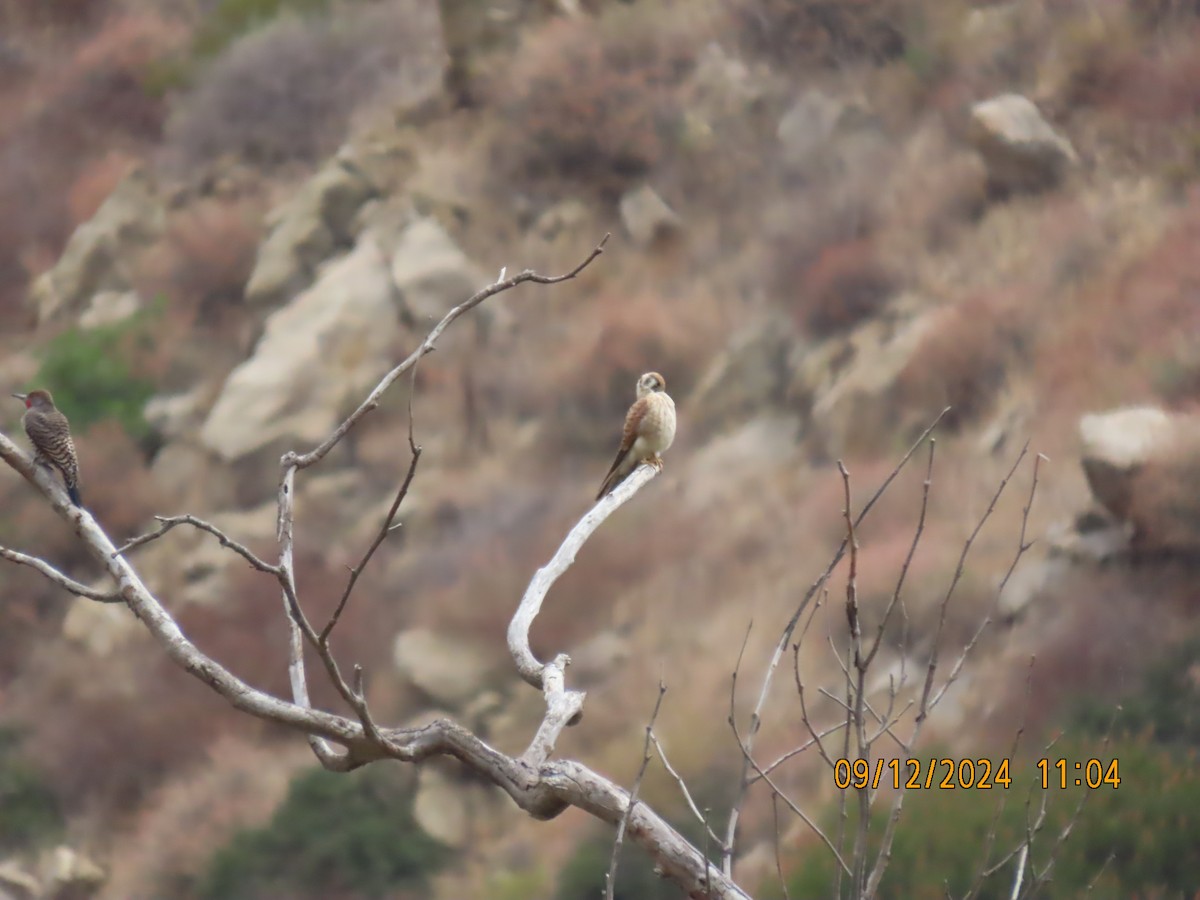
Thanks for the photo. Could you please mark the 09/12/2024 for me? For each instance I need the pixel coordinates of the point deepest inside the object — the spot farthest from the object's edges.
(947, 773)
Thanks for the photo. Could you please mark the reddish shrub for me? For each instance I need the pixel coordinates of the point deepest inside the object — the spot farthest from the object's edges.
(833, 32)
(75, 14)
(846, 284)
(1136, 353)
(94, 103)
(594, 105)
(94, 182)
(205, 258)
(625, 334)
(963, 360)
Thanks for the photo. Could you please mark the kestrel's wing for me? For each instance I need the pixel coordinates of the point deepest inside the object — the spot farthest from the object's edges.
(633, 424)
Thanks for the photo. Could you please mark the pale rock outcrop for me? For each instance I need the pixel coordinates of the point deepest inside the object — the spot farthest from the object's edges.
(72, 876)
(16, 883)
(566, 218)
(97, 257)
(1021, 150)
(432, 273)
(821, 133)
(110, 307)
(805, 129)
(1114, 446)
(647, 217)
(848, 384)
(316, 356)
(174, 415)
(749, 374)
(306, 230)
(441, 807)
(449, 670)
(191, 476)
(100, 629)
(1143, 466)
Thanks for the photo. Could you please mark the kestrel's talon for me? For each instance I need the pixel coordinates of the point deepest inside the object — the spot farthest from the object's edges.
(649, 430)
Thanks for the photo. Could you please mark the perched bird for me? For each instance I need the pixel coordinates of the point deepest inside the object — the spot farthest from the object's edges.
(649, 430)
(50, 434)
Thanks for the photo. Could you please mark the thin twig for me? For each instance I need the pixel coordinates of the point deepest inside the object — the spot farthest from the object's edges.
(959, 569)
(63, 581)
(633, 794)
(803, 816)
(304, 460)
(687, 796)
(989, 838)
(1023, 547)
(785, 640)
(384, 531)
(912, 549)
(778, 860)
(169, 522)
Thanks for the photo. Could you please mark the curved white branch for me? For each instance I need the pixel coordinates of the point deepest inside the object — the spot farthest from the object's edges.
(531, 604)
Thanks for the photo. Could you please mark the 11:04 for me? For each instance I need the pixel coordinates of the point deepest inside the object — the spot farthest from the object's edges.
(1095, 773)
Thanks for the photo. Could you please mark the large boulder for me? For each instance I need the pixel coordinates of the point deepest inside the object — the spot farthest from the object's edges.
(1115, 445)
(318, 353)
(1020, 149)
(72, 876)
(432, 273)
(440, 807)
(647, 217)
(16, 883)
(98, 255)
(451, 671)
(1143, 467)
(317, 220)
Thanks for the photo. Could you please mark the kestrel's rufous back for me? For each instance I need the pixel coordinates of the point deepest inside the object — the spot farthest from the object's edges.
(649, 431)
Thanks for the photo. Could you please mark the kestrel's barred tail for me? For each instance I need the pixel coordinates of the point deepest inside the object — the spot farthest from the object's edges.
(50, 434)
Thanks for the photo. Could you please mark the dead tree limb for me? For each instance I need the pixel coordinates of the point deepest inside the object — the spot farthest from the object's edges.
(541, 786)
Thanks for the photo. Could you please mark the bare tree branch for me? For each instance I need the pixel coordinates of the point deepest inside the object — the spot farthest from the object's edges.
(304, 460)
(778, 861)
(687, 795)
(518, 630)
(39, 476)
(169, 522)
(786, 637)
(542, 787)
(384, 531)
(611, 877)
(63, 581)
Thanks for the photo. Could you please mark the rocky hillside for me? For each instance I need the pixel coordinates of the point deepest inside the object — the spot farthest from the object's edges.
(225, 221)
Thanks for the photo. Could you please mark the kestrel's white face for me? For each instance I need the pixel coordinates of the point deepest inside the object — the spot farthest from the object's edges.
(649, 383)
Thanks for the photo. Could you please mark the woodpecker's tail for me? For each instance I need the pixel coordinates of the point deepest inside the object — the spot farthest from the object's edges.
(73, 493)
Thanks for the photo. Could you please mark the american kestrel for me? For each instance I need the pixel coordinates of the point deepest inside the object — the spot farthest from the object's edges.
(649, 431)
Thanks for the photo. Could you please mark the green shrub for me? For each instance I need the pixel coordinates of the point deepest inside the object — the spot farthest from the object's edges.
(90, 374)
(1150, 825)
(29, 813)
(230, 19)
(334, 835)
(1164, 709)
(585, 875)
